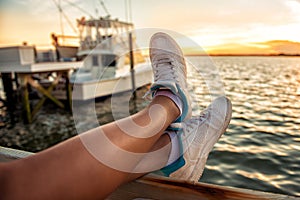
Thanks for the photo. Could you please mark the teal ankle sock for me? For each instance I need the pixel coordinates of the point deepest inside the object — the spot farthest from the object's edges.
(167, 170)
(175, 148)
(176, 159)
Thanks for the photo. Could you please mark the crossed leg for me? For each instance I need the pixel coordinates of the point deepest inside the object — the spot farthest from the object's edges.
(95, 163)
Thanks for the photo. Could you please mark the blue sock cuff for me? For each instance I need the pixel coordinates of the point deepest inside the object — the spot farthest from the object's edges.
(185, 106)
(167, 170)
(173, 167)
(183, 98)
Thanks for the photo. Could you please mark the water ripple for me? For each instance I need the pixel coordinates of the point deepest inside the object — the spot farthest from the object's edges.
(261, 148)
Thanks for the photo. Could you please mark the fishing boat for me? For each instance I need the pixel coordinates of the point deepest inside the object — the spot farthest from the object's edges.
(64, 52)
(111, 63)
(153, 186)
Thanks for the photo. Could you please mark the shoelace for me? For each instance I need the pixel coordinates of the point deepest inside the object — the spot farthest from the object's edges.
(196, 121)
(164, 68)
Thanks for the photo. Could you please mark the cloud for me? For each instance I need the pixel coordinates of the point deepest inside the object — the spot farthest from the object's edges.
(211, 22)
(217, 21)
(284, 46)
(274, 47)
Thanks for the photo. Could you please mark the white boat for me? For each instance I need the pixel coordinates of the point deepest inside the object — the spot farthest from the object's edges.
(105, 51)
(64, 52)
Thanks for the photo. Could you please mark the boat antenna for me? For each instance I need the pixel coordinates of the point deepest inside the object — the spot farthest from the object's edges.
(104, 8)
(96, 12)
(62, 14)
(130, 13)
(128, 10)
(79, 8)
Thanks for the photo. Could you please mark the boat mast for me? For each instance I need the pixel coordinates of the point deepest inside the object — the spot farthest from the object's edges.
(128, 10)
(131, 54)
(60, 17)
(104, 8)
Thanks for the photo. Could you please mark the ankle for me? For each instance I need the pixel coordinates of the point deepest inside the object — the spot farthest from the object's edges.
(171, 108)
(168, 93)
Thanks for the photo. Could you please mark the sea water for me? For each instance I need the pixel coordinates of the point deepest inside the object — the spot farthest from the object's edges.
(261, 148)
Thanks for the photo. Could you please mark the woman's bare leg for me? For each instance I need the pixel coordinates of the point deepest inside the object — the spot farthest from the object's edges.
(69, 171)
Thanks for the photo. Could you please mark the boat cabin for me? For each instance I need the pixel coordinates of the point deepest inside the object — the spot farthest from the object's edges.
(104, 48)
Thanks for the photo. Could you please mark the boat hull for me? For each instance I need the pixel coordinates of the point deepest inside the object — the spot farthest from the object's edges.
(67, 51)
(95, 89)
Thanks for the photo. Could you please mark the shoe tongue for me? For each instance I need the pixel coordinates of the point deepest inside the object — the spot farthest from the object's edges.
(163, 60)
(163, 64)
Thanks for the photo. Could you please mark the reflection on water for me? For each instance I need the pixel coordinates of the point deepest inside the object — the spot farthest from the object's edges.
(261, 148)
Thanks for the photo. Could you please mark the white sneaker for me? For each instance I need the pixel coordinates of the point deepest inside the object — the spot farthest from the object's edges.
(198, 136)
(169, 70)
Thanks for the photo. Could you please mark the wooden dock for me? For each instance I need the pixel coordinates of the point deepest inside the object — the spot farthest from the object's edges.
(18, 62)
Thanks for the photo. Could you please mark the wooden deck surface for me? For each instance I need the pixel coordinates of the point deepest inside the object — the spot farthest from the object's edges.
(39, 67)
(157, 187)
(153, 186)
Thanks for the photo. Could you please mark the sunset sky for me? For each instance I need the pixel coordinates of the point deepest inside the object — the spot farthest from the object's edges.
(219, 26)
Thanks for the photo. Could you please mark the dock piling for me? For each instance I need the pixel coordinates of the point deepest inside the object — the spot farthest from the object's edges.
(132, 65)
(9, 94)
